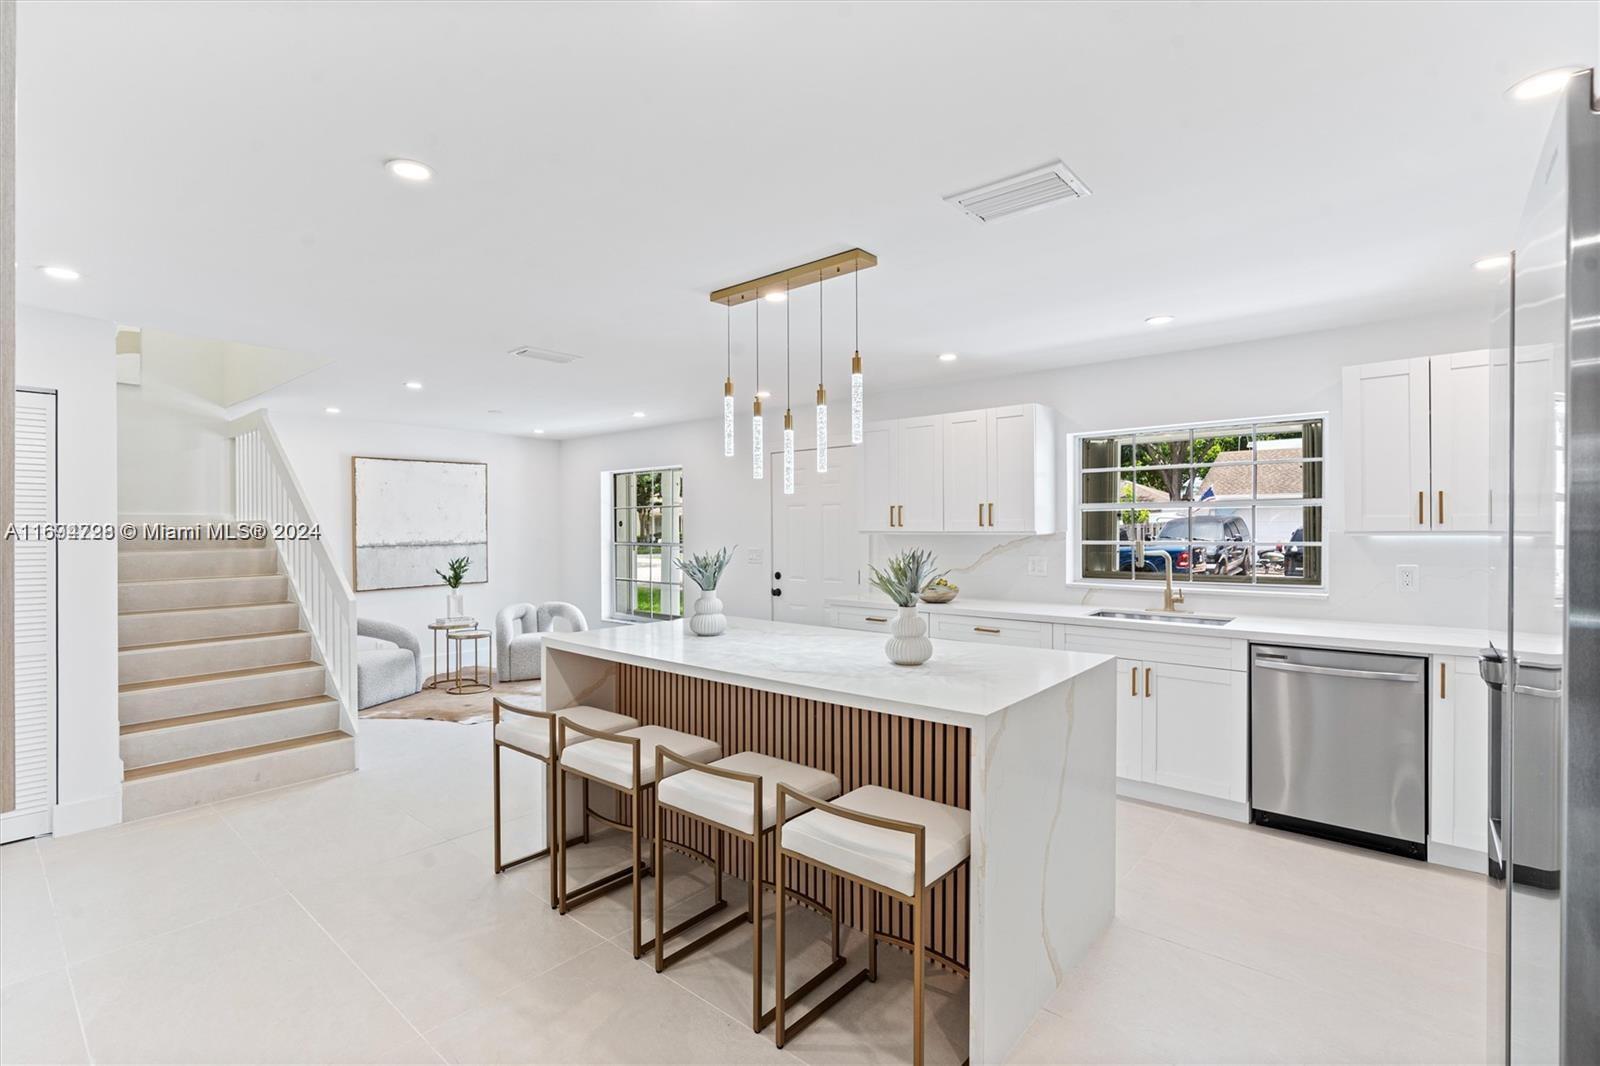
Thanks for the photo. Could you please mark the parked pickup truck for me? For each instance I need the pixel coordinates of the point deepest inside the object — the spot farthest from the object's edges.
(1157, 556)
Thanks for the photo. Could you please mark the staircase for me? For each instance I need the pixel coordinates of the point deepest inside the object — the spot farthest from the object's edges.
(221, 691)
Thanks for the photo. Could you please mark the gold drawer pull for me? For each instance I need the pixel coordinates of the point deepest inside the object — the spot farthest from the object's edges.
(991, 515)
(1441, 507)
(1441, 681)
(1133, 681)
(980, 514)
(1422, 508)
(984, 629)
(1147, 681)
(870, 618)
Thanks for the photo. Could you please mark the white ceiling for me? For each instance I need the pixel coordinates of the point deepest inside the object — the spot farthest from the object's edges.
(1257, 169)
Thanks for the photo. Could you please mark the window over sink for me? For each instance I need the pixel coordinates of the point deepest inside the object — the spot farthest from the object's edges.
(1216, 503)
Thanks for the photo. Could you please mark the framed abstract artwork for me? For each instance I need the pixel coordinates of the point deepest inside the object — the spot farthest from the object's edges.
(414, 515)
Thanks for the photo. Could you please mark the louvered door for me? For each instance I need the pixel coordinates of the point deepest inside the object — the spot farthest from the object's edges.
(35, 621)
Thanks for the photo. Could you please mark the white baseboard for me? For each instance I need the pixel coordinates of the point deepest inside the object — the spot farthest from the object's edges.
(96, 812)
(1188, 801)
(1458, 858)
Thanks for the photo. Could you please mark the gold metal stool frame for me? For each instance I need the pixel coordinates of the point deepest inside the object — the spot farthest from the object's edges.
(637, 869)
(919, 907)
(752, 914)
(501, 865)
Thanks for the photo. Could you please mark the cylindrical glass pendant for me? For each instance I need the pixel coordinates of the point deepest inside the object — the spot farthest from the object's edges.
(788, 453)
(727, 419)
(855, 399)
(758, 449)
(822, 431)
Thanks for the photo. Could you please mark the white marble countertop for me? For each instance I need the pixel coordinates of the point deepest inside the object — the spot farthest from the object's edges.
(962, 680)
(1367, 636)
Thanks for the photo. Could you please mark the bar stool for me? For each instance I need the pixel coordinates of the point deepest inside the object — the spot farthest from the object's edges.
(532, 732)
(737, 796)
(891, 844)
(625, 761)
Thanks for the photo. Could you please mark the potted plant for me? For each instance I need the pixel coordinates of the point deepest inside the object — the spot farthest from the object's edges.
(455, 605)
(707, 619)
(902, 579)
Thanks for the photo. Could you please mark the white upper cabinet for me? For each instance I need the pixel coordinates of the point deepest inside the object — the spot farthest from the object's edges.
(1417, 446)
(982, 471)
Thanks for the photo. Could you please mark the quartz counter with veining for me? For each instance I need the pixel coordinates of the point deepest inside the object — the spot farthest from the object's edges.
(1035, 731)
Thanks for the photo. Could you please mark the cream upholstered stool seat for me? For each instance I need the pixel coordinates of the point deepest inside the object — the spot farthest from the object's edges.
(891, 843)
(522, 725)
(626, 761)
(739, 796)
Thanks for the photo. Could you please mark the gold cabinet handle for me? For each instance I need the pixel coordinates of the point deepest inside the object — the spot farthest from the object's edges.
(900, 514)
(891, 516)
(1133, 680)
(1441, 682)
(1441, 507)
(870, 618)
(991, 516)
(1422, 508)
(980, 514)
(984, 629)
(1147, 681)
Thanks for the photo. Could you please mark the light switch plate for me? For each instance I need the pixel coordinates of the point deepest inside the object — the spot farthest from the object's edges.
(753, 556)
(1038, 566)
(1407, 577)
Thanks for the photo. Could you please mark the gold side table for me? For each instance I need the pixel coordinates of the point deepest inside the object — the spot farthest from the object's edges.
(457, 637)
(445, 628)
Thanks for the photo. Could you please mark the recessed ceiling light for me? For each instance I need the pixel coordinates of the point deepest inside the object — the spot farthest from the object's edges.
(777, 297)
(1542, 84)
(947, 357)
(495, 411)
(413, 384)
(1159, 320)
(540, 431)
(1492, 262)
(638, 414)
(409, 170)
(60, 273)
(331, 410)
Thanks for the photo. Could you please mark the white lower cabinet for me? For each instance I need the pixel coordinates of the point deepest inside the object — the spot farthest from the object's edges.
(1458, 754)
(1130, 720)
(1196, 729)
(873, 620)
(980, 630)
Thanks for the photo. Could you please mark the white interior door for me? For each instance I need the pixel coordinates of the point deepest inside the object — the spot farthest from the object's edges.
(817, 547)
(35, 601)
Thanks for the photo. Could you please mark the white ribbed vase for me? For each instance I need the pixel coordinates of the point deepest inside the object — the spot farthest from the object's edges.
(908, 643)
(707, 619)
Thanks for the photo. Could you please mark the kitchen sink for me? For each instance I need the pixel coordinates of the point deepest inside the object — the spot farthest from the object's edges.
(1158, 616)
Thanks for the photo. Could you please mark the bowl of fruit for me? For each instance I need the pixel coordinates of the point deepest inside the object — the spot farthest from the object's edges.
(939, 591)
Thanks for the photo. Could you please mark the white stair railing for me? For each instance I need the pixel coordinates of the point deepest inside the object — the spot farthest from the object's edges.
(265, 491)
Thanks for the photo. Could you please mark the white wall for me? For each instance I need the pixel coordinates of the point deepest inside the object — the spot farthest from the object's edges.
(1294, 374)
(525, 527)
(76, 357)
(723, 507)
(173, 460)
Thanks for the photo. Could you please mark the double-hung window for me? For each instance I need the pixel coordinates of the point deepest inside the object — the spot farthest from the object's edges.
(1219, 503)
(646, 536)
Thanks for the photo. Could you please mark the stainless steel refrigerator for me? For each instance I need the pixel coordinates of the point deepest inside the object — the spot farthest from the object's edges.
(1543, 662)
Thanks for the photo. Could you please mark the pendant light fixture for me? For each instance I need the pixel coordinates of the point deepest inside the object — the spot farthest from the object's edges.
(727, 397)
(758, 448)
(788, 393)
(822, 395)
(856, 426)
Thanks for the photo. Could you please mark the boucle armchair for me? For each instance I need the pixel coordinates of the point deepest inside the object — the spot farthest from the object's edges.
(519, 636)
(388, 662)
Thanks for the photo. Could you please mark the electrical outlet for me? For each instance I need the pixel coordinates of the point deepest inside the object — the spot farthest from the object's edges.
(1038, 566)
(753, 556)
(1407, 577)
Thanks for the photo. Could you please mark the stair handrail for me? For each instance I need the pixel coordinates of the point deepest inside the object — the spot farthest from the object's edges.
(266, 491)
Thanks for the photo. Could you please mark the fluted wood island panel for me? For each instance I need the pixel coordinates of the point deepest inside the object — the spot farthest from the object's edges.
(1024, 738)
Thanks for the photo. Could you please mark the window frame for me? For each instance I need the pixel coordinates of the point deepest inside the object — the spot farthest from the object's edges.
(672, 578)
(1246, 586)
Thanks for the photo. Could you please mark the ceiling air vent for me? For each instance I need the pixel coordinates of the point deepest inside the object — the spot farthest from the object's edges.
(544, 355)
(1023, 192)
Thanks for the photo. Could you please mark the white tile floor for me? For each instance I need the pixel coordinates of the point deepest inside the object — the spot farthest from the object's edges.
(356, 919)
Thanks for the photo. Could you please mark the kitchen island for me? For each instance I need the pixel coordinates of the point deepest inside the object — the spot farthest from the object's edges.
(1024, 738)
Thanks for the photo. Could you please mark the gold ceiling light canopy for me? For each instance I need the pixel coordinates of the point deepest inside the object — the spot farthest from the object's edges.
(795, 277)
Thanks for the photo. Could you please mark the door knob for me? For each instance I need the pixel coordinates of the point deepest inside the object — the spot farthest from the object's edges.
(777, 592)
(777, 575)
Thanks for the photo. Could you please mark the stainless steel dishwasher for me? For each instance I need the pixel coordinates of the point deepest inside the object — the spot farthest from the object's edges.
(1339, 745)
